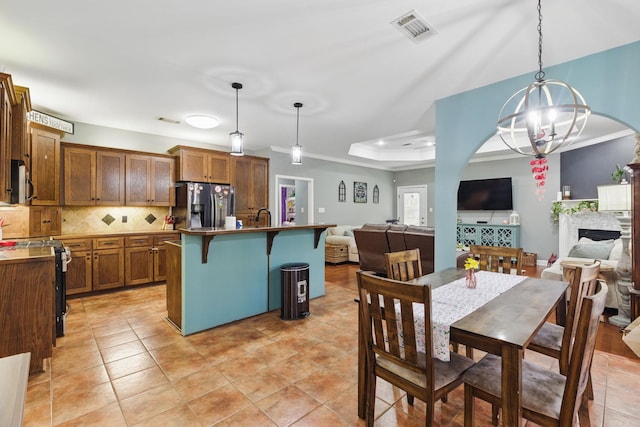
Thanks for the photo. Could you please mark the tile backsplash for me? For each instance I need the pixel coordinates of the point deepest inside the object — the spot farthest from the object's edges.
(110, 219)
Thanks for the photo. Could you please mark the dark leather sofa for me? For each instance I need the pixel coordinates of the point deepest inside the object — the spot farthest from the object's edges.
(374, 240)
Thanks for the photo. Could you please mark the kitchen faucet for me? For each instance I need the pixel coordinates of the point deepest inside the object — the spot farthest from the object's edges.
(258, 215)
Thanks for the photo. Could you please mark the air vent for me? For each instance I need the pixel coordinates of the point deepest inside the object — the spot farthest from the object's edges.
(164, 119)
(414, 26)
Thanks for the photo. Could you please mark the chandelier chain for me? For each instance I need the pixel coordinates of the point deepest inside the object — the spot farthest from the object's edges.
(540, 73)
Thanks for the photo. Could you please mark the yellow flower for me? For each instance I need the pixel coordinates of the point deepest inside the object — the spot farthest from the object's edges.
(471, 263)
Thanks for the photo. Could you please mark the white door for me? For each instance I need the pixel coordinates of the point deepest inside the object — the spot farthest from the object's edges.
(412, 205)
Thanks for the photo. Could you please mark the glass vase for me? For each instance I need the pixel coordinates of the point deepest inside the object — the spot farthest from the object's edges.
(471, 280)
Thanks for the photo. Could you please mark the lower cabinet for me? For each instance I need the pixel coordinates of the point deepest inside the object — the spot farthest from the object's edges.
(108, 263)
(145, 259)
(79, 270)
(114, 262)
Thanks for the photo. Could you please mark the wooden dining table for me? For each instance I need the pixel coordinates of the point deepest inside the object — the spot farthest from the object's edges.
(503, 326)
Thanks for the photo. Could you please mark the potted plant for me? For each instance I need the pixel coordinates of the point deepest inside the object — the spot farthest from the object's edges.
(618, 175)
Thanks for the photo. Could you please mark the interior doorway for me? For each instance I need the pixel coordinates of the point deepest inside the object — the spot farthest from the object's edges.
(294, 200)
(412, 205)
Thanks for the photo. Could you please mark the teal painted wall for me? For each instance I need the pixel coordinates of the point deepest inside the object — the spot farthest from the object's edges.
(607, 80)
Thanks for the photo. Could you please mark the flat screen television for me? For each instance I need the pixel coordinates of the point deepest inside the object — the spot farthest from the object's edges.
(485, 195)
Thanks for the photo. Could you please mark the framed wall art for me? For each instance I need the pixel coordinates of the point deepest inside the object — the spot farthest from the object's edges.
(342, 192)
(376, 194)
(359, 192)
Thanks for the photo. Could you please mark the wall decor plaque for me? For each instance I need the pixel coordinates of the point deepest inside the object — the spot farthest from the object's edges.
(359, 192)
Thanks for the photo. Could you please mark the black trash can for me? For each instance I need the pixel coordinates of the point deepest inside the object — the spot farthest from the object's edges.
(295, 291)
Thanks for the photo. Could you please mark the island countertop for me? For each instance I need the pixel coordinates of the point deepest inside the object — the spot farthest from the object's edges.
(210, 231)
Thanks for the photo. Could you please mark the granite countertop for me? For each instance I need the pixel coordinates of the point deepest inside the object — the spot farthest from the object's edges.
(116, 234)
(24, 254)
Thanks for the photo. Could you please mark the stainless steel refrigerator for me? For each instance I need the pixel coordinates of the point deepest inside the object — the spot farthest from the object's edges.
(203, 205)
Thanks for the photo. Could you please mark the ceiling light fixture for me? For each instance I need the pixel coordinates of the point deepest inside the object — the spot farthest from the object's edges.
(548, 113)
(296, 150)
(202, 121)
(236, 138)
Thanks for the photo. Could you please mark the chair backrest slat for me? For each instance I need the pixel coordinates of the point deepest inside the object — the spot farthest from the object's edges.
(582, 283)
(498, 258)
(389, 327)
(403, 265)
(582, 354)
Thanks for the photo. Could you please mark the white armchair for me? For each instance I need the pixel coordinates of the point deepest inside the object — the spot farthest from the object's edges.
(343, 235)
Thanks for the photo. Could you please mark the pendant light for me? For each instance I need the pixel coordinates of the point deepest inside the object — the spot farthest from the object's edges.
(296, 150)
(236, 138)
(542, 117)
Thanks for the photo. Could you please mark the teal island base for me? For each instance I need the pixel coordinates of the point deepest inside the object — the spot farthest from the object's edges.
(228, 275)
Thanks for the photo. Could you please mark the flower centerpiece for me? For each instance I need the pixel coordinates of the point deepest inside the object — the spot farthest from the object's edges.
(471, 265)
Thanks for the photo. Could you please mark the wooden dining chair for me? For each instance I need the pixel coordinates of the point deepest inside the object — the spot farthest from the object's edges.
(555, 340)
(387, 318)
(403, 265)
(498, 258)
(548, 397)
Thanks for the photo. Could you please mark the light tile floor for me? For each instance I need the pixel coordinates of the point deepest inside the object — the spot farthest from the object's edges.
(122, 364)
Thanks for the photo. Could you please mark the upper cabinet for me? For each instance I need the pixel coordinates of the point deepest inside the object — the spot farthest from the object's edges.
(149, 180)
(250, 179)
(96, 176)
(45, 164)
(93, 177)
(7, 103)
(201, 165)
(20, 147)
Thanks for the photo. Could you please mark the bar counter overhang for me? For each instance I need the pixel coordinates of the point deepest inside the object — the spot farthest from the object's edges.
(232, 274)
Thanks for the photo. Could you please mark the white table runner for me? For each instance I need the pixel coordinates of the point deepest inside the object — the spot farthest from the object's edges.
(454, 301)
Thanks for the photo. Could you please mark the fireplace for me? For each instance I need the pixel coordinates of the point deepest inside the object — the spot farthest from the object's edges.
(594, 225)
(594, 234)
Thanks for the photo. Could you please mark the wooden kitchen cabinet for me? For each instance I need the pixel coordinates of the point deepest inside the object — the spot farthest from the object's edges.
(149, 180)
(108, 264)
(174, 283)
(27, 309)
(79, 276)
(145, 259)
(201, 165)
(45, 221)
(160, 255)
(250, 179)
(20, 147)
(45, 164)
(7, 102)
(93, 177)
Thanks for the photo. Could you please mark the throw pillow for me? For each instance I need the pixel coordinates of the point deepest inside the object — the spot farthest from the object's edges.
(616, 252)
(595, 250)
(348, 233)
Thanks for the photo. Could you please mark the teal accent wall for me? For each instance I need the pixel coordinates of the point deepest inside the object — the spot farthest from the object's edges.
(607, 80)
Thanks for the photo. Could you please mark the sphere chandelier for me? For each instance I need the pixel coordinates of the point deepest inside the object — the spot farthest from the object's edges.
(542, 117)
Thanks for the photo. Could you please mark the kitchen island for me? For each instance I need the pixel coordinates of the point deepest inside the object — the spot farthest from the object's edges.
(228, 275)
(27, 304)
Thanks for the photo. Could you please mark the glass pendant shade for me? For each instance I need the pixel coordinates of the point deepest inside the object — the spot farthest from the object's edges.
(296, 155)
(236, 138)
(237, 145)
(296, 150)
